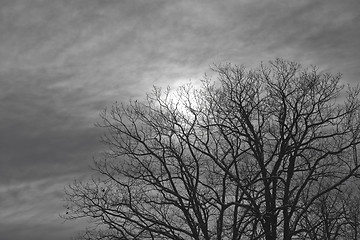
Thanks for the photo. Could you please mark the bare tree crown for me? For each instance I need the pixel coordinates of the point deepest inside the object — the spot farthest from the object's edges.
(256, 154)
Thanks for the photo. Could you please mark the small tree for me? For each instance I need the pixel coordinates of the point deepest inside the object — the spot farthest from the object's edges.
(245, 157)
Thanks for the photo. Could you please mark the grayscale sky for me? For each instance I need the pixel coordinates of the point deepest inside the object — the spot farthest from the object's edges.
(63, 61)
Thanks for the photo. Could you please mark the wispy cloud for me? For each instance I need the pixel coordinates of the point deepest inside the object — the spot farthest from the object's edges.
(31, 210)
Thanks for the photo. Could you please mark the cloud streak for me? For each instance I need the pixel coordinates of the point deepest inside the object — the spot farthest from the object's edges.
(31, 210)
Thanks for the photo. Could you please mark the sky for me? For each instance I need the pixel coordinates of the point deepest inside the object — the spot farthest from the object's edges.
(62, 62)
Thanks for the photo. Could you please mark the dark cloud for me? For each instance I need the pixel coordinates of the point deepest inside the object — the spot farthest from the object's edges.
(44, 131)
(317, 32)
(63, 61)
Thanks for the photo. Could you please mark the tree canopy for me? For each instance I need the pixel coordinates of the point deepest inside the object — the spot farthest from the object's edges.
(264, 153)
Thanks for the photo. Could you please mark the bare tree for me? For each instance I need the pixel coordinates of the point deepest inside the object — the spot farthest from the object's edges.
(334, 216)
(351, 209)
(325, 218)
(245, 157)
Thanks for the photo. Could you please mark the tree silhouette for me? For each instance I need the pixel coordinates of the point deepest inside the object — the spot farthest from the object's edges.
(256, 154)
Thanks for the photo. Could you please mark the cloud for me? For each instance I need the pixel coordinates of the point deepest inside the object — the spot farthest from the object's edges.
(31, 210)
(45, 131)
(312, 32)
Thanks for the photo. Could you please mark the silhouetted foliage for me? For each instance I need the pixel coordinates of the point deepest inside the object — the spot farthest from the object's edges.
(256, 154)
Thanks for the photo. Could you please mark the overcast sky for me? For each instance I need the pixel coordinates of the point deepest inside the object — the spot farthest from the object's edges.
(63, 61)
